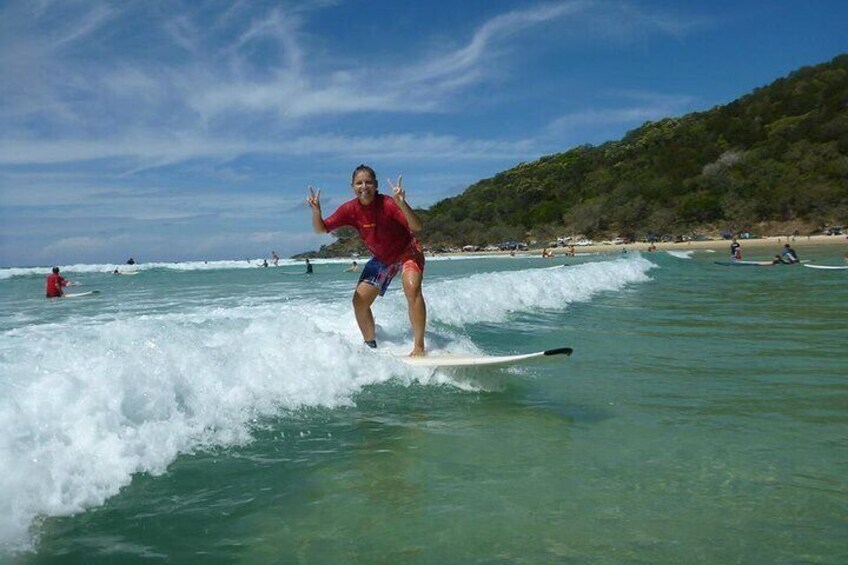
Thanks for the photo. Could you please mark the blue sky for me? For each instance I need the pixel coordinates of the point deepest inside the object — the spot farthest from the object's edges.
(190, 130)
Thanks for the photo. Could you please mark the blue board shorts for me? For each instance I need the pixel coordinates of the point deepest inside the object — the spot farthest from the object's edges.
(379, 274)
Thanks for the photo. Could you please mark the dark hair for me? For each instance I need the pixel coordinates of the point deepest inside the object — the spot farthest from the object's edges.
(369, 170)
(55, 269)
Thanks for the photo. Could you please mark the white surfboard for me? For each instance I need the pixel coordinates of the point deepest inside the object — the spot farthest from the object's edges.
(81, 294)
(482, 360)
(829, 267)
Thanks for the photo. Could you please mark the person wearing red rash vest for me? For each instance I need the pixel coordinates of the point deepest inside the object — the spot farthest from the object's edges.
(55, 284)
(386, 226)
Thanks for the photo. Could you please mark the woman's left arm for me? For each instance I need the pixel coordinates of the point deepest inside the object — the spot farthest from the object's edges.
(400, 198)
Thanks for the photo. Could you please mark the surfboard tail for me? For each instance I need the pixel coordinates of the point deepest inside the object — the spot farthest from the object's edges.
(559, 351)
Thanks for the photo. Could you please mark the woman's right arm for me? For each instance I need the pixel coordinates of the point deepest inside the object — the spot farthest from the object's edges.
(314, 201)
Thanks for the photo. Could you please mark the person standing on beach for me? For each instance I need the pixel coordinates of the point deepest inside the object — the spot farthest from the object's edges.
(386, 226)
(55, 284)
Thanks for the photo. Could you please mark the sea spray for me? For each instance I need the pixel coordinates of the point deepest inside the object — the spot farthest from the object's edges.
(92, 399)
(491, 297)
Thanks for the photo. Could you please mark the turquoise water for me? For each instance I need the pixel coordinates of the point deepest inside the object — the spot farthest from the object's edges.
(222, 413)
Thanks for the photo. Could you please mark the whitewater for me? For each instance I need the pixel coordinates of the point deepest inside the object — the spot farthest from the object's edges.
(190, 357)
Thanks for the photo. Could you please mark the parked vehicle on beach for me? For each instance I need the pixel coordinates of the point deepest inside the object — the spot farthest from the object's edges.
(512, 246)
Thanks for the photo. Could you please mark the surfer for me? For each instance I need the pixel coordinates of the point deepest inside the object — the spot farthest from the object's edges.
(308, 267)
(393, 248)
(55, 283)
(735, 250)
(275, 257)
(353, 268)
(788, 254)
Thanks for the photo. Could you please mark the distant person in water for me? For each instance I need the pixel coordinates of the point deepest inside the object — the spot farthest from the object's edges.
(264, 262)
(735, 250)
(275, 257)
(55, 284)
(308, 267)
(788, 254)
(353, 268)
(386, 226)
(130, 261)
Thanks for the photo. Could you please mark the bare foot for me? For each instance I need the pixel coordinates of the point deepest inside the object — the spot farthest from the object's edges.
(417, 352)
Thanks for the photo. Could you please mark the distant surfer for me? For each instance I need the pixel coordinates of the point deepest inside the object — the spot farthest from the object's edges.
(275, 257)
(353, 268)
(788, 254)
(55, 284)
(130, 261)
(308, 267)
(735, 250)
(393, 248)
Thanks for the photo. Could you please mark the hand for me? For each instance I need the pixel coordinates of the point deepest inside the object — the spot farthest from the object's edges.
(314, 198)
(400, 193)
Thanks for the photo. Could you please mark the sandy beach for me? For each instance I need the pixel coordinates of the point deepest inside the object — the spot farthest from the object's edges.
(760, 248)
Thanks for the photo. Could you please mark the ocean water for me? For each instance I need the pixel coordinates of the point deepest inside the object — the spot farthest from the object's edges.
(224, 413)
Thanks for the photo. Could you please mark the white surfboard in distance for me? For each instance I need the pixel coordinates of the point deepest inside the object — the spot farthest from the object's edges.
(81, 294)
(829, 267)
(483, 360)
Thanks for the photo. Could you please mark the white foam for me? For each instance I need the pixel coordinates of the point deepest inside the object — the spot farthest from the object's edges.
(9, 272)
(491, 297)
(116, 396)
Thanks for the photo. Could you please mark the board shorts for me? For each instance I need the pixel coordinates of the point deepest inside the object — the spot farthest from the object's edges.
(379, 274)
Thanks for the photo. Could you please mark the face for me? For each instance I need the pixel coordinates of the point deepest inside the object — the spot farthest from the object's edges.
(365, 187)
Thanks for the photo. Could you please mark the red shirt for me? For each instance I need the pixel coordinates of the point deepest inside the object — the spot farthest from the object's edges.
(55, 282)
(381, 225)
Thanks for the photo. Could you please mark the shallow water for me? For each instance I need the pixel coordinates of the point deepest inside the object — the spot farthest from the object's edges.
(223, 414)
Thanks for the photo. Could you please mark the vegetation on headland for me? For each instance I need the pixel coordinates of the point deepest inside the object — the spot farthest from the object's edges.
(777, 156)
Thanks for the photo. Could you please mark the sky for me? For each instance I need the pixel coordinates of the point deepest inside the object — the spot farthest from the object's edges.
(171, 131)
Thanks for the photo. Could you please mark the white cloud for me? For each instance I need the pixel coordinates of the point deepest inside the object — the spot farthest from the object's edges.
(75, 246)
(153, 149)
(220, 101)
(629, 108)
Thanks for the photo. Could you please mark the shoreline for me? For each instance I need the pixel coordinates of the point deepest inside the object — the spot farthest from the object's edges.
(749, 246)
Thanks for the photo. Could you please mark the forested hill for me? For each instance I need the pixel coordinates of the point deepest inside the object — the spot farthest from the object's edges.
(777, 154)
